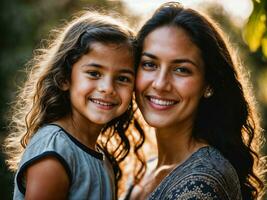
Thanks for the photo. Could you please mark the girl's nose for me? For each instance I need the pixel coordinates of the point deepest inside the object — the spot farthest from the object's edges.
(106, 86)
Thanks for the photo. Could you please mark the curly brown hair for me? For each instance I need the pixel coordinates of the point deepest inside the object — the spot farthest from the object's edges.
(41, 100)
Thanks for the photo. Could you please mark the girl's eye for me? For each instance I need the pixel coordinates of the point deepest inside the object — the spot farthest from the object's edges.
(124, 79)
(148, 65)
(182, 70)
(94, 74)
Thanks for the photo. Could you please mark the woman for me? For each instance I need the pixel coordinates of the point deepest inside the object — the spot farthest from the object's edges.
(190, 90)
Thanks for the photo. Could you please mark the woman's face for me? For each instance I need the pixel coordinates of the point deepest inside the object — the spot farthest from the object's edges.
(170, 79)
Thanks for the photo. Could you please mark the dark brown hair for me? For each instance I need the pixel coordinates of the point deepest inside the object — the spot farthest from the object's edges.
(228, 119)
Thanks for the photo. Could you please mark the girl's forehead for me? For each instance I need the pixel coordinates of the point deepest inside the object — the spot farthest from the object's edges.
(108, 56)
(111, 45)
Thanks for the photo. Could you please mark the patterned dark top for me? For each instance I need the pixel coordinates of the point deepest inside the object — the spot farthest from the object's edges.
(206, 175)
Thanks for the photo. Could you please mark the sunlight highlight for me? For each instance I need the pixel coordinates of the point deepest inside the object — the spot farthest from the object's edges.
(238, 10)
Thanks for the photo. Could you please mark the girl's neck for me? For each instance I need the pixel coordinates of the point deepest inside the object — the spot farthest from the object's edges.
(176, 145)
(84, 131)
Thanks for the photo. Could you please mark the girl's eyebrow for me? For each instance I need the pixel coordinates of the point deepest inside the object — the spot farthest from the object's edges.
(127, 70)
(175, 61)
(92, 65)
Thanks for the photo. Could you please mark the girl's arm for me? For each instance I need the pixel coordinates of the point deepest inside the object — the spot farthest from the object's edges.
(46, 179)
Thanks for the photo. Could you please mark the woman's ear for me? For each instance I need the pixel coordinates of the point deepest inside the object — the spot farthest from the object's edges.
(208, 92)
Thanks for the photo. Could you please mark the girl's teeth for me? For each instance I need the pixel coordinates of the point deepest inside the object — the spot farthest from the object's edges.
(101, 103)
(162, 102)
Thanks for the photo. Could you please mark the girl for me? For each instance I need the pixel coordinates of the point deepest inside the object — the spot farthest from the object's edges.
(70, 120)
(191, 91)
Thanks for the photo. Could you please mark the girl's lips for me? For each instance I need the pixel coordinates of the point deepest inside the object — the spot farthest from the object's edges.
(160, 103)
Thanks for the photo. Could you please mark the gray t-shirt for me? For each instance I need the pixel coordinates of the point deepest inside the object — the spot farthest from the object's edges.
(90, 175)
(205, 175)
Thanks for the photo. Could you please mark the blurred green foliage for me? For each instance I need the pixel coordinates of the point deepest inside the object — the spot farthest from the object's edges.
(255, 29)
(255, 32)
(255, 36)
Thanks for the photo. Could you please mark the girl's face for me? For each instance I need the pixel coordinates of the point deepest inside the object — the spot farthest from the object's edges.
(170, 79)
(102, 83)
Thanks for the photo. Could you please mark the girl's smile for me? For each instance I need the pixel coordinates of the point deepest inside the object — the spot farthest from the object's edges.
(102, 83)
(103, 103)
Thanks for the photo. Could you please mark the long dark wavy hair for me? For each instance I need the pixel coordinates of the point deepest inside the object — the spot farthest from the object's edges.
(228, 119)
(41, 100)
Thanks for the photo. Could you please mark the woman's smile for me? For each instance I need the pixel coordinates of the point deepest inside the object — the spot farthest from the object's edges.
(170, 79)
(159, 103)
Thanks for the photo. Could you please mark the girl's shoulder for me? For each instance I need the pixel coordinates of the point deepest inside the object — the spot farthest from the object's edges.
(53, 139)
(46, 132)
(49, 140)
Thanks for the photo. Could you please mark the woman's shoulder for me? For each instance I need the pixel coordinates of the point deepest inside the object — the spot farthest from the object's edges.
(205, 175)
(209, 160)
(197, 186)
(210, 165)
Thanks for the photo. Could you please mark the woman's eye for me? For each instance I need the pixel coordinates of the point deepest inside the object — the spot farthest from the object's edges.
(182, 70)
(94, 74)
(148, 65)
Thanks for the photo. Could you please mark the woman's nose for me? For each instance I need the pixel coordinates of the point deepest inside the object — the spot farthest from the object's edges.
(162, 81)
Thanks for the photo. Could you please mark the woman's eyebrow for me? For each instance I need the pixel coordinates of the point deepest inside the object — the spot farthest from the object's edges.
(184, 60)
(178, 60)
(149, 55)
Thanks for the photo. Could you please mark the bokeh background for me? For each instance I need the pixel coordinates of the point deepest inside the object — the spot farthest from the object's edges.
(25, 23)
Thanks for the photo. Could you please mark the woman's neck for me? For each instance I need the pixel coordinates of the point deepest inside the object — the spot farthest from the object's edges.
(176, 145)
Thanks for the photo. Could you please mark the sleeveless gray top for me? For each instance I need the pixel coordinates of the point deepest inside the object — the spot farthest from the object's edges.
(90, 175)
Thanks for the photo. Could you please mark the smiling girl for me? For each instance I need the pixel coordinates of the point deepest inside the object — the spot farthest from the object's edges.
(70, 121)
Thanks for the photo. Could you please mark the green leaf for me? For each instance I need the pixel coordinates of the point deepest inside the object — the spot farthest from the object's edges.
(256, 26)
(264, 45)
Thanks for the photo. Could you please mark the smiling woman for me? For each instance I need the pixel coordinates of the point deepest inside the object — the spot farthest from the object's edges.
(170, 79)
(192, 92)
